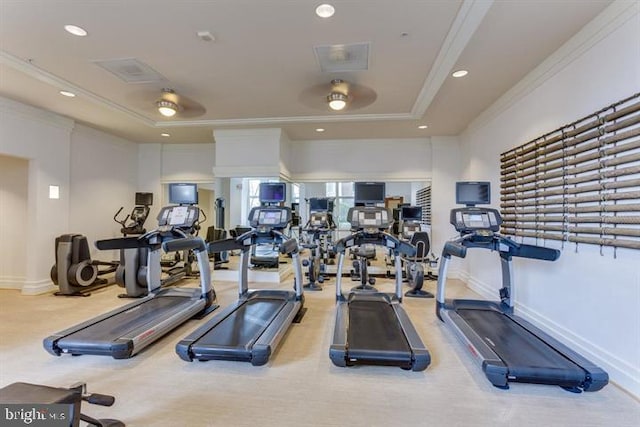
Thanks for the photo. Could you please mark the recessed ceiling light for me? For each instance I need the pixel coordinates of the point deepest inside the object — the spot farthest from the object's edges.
(423, 127)
(75, 30)
(67, 93)
(325, 10)
(319, 130)
(166, 135)
(460, 73)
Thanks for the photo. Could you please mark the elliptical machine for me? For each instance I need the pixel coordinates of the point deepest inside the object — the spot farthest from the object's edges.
(320, 224)
(138, 216)
(74, 272)
(132, 273)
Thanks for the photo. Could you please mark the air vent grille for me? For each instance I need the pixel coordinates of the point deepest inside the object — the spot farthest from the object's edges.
(343, 57)
(131, 70)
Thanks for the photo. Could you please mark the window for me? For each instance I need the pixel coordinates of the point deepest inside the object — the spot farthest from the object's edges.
(295, 193)
(253, 184)
(343, 194)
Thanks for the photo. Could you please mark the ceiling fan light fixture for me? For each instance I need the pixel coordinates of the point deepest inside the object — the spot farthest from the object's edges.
(337, 101)
(167, 108)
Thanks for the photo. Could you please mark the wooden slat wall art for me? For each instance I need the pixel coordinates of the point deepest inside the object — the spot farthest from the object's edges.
(579, 183)
(423, 197)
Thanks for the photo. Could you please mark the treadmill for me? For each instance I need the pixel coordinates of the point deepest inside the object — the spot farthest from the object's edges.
(372, 327)
(250, 329)
(123, 332)
(508, 348)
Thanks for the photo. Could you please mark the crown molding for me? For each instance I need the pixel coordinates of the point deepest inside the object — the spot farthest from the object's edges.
(610, 19)
(467, 21)
(31, 70)
(9, 106)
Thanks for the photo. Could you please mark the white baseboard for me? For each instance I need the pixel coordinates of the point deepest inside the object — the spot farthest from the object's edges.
(38, 287)
(622, 373)
(11, 282)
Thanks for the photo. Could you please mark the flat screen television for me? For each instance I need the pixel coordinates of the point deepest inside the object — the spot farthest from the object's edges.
(272, 192)
(183, 194)
(369, 193)
(318, 204)
(144, 199)
(411, 213)
(471, 193)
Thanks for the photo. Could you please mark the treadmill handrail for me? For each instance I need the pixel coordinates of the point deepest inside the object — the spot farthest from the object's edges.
(506, 246)
(196, 243)
(360, 238)
(224, 245)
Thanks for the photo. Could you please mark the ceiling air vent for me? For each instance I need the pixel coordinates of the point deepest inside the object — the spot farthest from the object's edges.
(343, 57)
(131, 70)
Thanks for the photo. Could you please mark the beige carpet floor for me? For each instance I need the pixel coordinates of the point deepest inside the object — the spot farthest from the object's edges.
(299, 386)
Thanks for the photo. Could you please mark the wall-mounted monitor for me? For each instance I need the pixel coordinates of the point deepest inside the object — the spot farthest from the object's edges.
(272, 192)
(369, 193)
(144, 199)
(471, 193)
(183, 194)
(411, 213)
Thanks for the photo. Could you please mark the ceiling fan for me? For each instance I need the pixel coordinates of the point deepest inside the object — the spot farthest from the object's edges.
(167, 104)
(338, 95)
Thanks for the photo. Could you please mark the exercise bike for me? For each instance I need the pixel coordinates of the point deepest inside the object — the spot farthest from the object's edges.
(413, 266)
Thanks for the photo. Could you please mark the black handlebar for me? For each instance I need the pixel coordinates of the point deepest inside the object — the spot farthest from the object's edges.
(230, 244)
(289, 247)
(360, 238)
(196, 243)
(505, 246)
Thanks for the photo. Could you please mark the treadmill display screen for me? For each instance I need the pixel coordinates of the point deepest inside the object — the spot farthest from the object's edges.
(476, 220)
(269, 217)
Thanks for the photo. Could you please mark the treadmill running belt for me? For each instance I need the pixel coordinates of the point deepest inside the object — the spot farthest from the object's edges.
(375, 333)
(124, 322)
(527, 356)
(243, 326)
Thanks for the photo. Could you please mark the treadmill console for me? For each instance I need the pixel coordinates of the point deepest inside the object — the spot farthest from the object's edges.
(270, 217)
(369, 217)
(319, 220)
(182, 217)
(475, 220)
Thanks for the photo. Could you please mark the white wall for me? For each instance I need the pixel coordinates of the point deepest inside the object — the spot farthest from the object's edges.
(188, 163)
(587, 300)
(44, 139)
(356, 160)
(103, 178)
(447, 168)
(14, 184)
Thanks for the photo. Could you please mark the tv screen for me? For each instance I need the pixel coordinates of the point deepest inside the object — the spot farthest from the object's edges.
(183, 194)
(272, 192)
(472, 193)
(369, 192)
(411, 213)
(144, 199)
(318, 205)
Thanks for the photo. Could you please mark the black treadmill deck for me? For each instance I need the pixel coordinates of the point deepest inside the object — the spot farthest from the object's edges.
(241, 328)
(110, 329)
(375, 335)
(528, 358)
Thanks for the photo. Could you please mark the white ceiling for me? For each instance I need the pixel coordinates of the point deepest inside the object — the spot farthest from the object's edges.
(259, 70)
